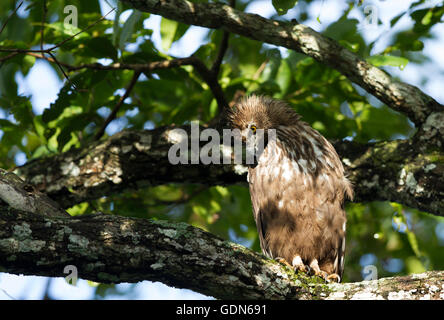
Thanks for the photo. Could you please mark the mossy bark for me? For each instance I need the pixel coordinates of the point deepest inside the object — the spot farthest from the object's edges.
(404, 171)
(114, 249)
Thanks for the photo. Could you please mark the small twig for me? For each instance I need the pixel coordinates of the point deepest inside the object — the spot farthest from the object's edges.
(200, 67)
(220, 55)
(41, 56)
(238, 95)
(10, 16)
(145, 67)
(7, 294)
(57, 45)
(9, 56)
(81, 31)
(259, 70)
(212, 82)
(47, 289)
(223, 47)
(214, 71)
(113, 113)
(61, 69)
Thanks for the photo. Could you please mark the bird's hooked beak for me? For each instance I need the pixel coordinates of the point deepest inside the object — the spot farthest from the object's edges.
(254, 143)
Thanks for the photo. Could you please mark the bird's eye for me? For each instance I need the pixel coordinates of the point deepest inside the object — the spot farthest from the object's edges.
(253, 128)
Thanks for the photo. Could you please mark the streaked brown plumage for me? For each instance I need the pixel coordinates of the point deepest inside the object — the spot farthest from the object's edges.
(297, 189)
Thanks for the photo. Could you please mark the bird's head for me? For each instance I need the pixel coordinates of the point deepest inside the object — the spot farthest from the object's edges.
(255, 113)
(257, 118)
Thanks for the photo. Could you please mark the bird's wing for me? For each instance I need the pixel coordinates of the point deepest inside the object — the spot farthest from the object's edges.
(258, 216)
(341, 257)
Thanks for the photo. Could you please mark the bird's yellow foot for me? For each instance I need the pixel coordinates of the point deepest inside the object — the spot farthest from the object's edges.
(283, 261)
(317, 271)
(298, 265)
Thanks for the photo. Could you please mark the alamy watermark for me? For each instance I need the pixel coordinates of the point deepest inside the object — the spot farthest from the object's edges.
(371, 14)
(72, 274)
(72, 17)
(370, 272)
(247, 144)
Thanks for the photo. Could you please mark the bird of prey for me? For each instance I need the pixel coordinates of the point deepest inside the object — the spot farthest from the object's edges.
(297, 188)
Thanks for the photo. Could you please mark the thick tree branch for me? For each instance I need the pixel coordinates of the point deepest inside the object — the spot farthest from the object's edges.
(22, 196)
(402, 171)
(114, 249)
(400, 96)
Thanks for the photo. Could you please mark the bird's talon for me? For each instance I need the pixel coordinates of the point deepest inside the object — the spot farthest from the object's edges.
(320, 274)
(299, 265)
(333, 278)
(301, 268)
(283, 261)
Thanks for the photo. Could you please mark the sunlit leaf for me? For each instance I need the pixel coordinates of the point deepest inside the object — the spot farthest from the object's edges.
(386, 60)
(128, 28)
(282, 6)
(171, 31)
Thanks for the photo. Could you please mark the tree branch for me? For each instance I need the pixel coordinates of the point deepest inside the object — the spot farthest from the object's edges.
(10, 16)
(222, 49)
(400, 96)
(401, 171)
(200, 67)
(22, 196)
(114, 249)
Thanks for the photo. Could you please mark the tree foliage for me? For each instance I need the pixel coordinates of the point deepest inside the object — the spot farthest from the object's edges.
(98, 89)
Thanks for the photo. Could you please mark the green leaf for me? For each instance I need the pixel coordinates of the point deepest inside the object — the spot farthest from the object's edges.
(8, 87)
(396, 19)
(284, 77)
(171, 31)
(41, 151)
(39, 126)
(72, 120)
(414, 265)
(27, 63)
(386, 60)
(100, 47)
(128, 28)
(5, 124)
(78, 209)
(167, 193)
(67, 30)
(23, 111)
(379, 123)
(427, 18)
(282, 6)
(116, 24)
(168, 30)
(63, 137)
(272, 66)
(56, 108)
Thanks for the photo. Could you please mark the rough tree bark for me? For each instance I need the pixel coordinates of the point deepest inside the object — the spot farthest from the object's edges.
(405, 171)
(114, 249)
(37, 238)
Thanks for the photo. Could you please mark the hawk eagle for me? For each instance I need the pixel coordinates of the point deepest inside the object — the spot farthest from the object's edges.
(297, 187)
